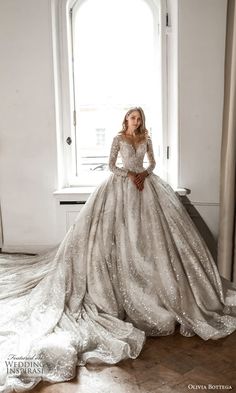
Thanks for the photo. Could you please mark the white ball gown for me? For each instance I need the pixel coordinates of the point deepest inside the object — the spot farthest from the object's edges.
(132, 265)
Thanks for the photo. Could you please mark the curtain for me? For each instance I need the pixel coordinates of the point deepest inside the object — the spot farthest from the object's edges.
(1, 231)
(227, 221)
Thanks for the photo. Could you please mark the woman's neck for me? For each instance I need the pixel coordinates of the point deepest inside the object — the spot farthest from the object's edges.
(130, 132)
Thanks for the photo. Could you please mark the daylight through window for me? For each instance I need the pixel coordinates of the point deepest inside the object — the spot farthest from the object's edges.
(116, 65)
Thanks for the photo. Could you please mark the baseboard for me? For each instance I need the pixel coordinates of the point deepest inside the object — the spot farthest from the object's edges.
(27, 248)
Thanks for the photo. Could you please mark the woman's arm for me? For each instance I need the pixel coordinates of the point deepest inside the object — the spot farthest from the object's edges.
(115, 147)
(140, 177)
(150, 155)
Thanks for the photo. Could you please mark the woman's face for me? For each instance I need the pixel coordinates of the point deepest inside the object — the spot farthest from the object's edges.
(134, 120)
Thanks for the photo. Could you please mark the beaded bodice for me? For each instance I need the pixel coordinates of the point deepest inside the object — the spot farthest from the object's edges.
(132, 156)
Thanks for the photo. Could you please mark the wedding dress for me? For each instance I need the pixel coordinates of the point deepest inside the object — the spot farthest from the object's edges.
(132, 265)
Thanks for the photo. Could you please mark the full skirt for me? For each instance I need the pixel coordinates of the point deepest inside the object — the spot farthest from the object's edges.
(132, 265)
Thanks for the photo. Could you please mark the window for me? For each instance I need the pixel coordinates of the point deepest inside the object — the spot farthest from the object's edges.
(111, 58)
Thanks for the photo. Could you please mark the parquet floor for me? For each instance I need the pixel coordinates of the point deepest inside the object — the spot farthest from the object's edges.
(172, 364)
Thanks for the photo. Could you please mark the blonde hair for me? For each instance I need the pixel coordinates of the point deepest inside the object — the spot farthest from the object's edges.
(141, 131)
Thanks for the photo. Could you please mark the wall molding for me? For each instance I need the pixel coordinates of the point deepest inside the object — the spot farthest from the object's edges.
(26, 248)
(200, 203)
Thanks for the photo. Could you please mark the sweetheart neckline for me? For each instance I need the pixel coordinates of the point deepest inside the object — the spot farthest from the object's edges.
(131, 144)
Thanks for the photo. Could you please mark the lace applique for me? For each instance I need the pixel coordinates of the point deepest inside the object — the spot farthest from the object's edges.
(135, 145)
(115, 147)
(150, 155)
(132, 157)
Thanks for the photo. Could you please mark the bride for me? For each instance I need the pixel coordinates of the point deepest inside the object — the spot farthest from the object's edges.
(132, 265)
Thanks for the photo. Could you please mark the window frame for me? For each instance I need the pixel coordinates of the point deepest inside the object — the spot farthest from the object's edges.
(63, 82)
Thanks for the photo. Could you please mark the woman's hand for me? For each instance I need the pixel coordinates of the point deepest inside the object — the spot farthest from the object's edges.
(138, 179)
(132, 176)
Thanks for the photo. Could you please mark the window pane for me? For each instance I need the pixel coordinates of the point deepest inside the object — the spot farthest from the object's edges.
(115, 67)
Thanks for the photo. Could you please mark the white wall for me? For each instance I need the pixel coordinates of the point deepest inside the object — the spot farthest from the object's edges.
(201, 26)
(28, 168)
(172, 37)
(27, 125)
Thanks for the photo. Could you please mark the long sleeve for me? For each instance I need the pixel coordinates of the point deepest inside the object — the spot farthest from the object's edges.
(151, 158)
(113, 157)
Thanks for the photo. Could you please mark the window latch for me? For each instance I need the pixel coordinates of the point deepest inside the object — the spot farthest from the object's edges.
(69, 140)
(167, 20)
(168, 152)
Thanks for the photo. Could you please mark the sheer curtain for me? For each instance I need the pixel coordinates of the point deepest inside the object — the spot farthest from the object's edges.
(227, 227)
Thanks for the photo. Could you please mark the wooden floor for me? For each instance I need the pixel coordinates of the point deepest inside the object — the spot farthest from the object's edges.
(172, 364)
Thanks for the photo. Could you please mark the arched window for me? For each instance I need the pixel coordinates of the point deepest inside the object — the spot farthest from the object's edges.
(114, 62)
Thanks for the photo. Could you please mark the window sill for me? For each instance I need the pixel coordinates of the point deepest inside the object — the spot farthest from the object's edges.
(81, 194)
(74, 193)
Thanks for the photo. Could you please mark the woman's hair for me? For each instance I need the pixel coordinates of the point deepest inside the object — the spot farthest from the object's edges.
(141, 131)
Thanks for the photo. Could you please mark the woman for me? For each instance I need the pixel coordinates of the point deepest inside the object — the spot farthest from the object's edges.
(132, 265)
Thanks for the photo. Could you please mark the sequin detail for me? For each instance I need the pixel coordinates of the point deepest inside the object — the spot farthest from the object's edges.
(133, 264)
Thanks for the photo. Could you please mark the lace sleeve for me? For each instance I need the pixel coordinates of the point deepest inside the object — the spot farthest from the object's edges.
(151, 158)
(115, 147)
